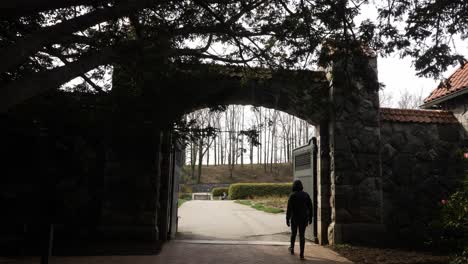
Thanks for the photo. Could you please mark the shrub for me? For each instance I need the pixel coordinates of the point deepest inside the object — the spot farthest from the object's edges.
(183, 188)
(450, 229)
(218, 191)
(247, 190)
(185, 196)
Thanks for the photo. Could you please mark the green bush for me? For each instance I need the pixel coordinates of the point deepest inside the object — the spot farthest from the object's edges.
(183, 188)
(185, 196)
(450, 228)
(247, 190)
(218, 191)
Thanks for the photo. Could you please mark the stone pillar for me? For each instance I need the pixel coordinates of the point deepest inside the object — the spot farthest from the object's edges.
(131, 185)
(165, 188)
(323, 183)
(355, 163)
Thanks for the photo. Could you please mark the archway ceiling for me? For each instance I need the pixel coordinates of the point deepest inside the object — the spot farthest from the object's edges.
(301, 93)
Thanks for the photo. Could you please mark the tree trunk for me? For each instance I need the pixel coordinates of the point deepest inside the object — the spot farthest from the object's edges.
(265, 140)
(194, 157)
(200, 160)
(242, 139)
(251, 155)
(214, 151)
(273, 139)
(208, 155)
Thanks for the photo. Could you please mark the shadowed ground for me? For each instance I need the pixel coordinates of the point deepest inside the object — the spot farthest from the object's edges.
(213, 232)
(187, 253)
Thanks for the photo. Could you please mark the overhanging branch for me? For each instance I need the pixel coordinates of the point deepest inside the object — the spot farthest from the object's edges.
(24, 47)
(36, 83)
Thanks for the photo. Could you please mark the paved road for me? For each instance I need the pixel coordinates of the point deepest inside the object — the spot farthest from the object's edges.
(213, 232)
(176, 252)
(226, 220)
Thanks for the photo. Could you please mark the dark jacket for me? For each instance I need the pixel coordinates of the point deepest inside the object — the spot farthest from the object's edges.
(299, 208)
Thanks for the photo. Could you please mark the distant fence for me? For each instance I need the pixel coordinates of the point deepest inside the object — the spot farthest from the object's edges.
(206, 187)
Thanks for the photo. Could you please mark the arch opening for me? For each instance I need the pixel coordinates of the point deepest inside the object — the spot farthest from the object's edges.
(239, 144)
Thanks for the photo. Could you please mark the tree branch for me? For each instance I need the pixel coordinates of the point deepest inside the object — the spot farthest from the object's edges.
(83, 75)
(19, 8)
(18, 52)
(29, 86)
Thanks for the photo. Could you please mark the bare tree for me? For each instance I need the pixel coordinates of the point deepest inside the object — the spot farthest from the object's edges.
(409, 100)
(277, 133)
(385, 99)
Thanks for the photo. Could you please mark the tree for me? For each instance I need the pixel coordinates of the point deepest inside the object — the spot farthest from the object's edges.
(410, 100)
(424, 30)
(239, 125)
(47, 43)
(385, 99)
(196, 131)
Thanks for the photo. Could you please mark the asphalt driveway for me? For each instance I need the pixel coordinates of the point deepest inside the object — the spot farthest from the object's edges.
(227, 220)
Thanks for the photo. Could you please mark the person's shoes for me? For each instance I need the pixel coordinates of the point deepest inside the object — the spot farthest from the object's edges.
(291, 250)
(302, 257)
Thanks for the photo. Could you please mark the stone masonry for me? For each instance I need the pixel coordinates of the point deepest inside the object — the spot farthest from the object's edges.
(354, 129)
(107, 166)
(421, 163)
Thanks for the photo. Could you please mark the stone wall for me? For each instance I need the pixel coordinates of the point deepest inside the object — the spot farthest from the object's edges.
(420, 166)
(95, 172)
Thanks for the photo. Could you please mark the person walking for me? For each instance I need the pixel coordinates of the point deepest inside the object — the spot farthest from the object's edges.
(298, 215)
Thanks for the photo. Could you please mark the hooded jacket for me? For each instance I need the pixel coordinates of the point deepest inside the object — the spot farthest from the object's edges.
(299, 205)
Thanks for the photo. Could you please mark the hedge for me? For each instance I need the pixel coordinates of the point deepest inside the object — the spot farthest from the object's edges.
(218, 191)
(185, 196)
(246, 190)
(183, 188)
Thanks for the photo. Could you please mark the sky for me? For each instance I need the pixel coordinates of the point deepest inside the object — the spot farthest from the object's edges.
(398, 74)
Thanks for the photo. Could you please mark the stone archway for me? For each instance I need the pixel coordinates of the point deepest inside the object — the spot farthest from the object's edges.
(133, 162)
(341, 101)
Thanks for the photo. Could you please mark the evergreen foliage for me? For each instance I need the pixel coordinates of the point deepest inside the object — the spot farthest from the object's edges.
(49, 42)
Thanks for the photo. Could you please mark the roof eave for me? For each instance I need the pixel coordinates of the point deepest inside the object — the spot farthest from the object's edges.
(444, 98)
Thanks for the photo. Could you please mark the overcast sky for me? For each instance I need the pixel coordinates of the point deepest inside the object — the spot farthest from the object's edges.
(399, 74)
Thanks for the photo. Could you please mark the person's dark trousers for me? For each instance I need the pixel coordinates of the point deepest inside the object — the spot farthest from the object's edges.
(302, 228)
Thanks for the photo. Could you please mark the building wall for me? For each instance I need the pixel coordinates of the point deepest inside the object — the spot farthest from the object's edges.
(459, 107)
(420, 166)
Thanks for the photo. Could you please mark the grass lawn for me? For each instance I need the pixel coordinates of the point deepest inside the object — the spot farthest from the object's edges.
(280, 202)
(272, 204)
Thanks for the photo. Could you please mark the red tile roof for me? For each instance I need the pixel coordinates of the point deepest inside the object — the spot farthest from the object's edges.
(417, 116)
(458, 81)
